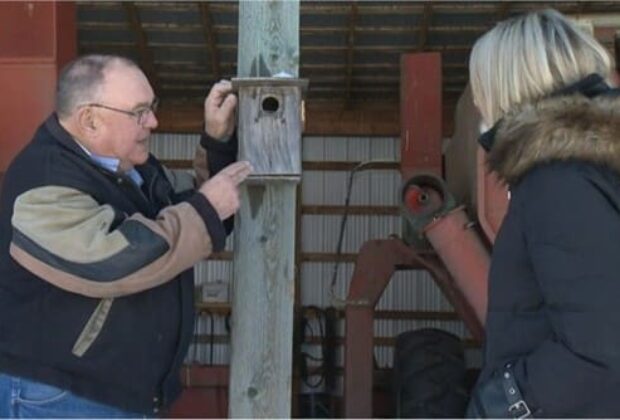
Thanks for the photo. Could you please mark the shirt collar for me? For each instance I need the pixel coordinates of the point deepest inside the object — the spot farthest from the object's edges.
(112, 164)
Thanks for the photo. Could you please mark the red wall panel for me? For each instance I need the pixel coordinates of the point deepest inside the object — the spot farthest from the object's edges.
(27, 30)
(36, 39)
(28, 90)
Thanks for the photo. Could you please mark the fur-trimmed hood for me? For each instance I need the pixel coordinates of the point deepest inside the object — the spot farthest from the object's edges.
(560, 128)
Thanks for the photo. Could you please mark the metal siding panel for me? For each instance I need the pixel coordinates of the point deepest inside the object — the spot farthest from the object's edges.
(408, 290)
(203, 352)
(316, 283)
(312, 187)
(360, 190)
(384, 188)
(358, 148)
(334, 187)
(335, 148)
(174, 146)
(312, 148)
(320, 232)
(385, 148)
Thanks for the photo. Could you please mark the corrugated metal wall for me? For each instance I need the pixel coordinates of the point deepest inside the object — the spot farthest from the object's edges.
(408, 290)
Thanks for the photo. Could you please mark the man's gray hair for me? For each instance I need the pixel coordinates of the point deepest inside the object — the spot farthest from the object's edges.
(80, 81)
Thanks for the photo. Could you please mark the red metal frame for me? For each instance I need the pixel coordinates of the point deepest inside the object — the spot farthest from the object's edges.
(460, 265)
(375, 264)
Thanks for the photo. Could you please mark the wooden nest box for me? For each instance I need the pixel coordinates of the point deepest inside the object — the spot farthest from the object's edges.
(270, 126)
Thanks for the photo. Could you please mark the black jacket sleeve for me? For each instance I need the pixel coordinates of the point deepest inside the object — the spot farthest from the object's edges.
(219, 155)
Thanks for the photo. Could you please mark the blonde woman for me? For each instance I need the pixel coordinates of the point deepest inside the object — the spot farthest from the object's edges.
(553, 324)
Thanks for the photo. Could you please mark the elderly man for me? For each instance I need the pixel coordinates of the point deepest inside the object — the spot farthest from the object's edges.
(97, 245)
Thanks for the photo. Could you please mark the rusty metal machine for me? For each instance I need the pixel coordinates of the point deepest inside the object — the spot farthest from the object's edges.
(452, 211)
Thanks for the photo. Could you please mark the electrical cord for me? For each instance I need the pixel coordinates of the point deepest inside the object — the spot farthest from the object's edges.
(337, 301)
(307, 356)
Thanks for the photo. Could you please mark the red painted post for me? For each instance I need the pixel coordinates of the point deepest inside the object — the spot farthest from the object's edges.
(420, 114)
(358, 365)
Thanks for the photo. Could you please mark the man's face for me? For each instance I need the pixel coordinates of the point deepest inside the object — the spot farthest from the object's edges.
(124, 136)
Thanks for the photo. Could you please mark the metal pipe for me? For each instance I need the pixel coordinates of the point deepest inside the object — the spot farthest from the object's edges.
(464, 255)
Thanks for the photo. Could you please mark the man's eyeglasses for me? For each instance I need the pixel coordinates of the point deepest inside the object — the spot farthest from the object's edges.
(140, 114)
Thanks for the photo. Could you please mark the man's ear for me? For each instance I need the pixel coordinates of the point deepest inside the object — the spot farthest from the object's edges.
(87, 120)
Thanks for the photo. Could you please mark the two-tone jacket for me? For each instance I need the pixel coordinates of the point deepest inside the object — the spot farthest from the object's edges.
(553, 322)
(96, 281)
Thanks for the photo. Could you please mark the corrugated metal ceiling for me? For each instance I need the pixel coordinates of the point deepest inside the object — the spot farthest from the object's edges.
(349, 50)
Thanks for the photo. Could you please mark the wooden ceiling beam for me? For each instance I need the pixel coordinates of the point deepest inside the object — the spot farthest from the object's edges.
(320, 49)
(350, 53)
(322, 118)
(397, 8)
(367, 8)
(336, 88)
(209, 34)
(98, 5)
(153, 26)
(167, 6)
(101, 26)
(188, 66)
(141, 43)
(194, 76)
(318, 8)
(584, 7)
(106, 44)
(367, 66)
(467, 7)
(370, 29)
(424, 25)
(370, 79)
(503, 10)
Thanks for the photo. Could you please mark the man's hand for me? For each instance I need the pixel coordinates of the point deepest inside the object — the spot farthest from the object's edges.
(222, 190)
(219, 110)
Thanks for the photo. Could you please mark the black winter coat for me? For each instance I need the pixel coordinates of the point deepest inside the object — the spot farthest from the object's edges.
(554, 285)
(109, 321)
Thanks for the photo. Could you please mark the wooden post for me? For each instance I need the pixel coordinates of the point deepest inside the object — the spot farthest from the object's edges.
(269, 137)
(268, 38)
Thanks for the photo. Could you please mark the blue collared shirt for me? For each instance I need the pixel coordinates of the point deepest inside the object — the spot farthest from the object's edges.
(112, 164)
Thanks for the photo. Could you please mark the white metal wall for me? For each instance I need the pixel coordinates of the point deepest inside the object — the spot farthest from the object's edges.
(408, 290)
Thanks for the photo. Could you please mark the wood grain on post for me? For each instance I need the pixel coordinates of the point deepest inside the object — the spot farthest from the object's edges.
(270, 138)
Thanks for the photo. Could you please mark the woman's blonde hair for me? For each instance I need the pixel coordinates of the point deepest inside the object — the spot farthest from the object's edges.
(527, 57)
